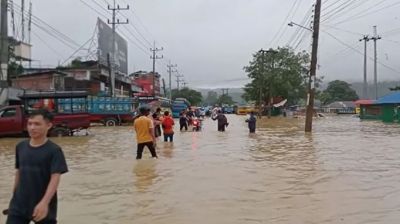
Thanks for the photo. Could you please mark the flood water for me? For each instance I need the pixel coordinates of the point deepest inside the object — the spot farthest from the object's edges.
(347, 171)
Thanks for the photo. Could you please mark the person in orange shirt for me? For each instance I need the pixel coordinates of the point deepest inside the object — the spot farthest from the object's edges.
(144, 133)
(168, 127)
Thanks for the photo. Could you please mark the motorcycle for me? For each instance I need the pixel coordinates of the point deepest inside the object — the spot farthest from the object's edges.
(196, 123)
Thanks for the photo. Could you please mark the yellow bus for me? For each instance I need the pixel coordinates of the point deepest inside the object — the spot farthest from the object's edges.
(244, 110)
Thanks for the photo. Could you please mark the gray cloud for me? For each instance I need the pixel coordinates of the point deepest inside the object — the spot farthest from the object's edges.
(211, 40)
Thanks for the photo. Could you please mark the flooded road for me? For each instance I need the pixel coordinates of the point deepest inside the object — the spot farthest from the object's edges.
(346, 172)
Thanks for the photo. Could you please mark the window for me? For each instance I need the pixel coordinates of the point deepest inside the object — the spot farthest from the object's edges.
(8, 112)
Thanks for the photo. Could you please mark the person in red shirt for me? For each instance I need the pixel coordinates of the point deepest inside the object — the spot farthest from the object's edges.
(168, 127)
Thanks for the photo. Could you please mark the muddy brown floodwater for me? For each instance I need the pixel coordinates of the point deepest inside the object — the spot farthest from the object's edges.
(347, 171)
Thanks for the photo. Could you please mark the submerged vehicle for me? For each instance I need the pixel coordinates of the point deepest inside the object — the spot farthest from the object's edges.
(13, 118)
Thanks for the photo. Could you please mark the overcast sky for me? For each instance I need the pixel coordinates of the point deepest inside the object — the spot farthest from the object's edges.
(211, 40)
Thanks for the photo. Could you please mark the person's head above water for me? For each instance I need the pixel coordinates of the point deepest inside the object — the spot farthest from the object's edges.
(39, 123)
(144, 110)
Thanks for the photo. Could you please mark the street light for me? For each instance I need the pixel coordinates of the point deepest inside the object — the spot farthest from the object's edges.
(295, 24)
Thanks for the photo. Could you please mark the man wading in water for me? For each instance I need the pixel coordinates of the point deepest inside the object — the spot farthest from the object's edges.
(252, 123)
(39, 164)
(222, 121)
(144, 128)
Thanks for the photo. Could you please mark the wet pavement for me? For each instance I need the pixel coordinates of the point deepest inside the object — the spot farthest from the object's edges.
(347, 171)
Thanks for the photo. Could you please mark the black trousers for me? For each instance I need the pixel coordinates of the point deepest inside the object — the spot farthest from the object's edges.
(221, 128)
(184, 126)
(252, 130)
(140, 148)
(11, 219)
(168, 136)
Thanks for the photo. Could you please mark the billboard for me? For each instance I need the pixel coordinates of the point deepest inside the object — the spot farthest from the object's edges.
(105, 34)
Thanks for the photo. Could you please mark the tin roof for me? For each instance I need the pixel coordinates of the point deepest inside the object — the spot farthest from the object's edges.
(364, 102)
(54, 94)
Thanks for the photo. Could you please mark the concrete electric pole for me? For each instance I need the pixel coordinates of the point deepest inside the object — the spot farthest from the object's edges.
(178, 80)
(365, 86)
(170, 70)
(262, 71)
(155, 57)
(115, 8)
(313, 68)
(225, 91)
(3, 46)
(375, 38)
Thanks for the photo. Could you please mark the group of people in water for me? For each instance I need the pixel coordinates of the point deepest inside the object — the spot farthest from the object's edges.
(40, 162)
(149, 127)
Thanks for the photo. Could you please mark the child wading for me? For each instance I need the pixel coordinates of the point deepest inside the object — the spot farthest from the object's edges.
(168, 127)
(145, 133)
(39, 164)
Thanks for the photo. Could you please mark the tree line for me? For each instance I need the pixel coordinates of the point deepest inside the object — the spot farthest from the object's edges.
(283, 73)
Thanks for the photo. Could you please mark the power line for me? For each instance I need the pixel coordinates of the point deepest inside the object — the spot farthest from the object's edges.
(135, 28)
(141, 23)
(47, 44)
(299, 31)
(343, 30)
(36, 21)
(125, 27)
(392, 41)
(129, 31)
(339, 9)
(359, 52)
(391, 32)
(283, 23)
(366, 13)
(330, 5)
(66, 43)
(114, 21)
(349, 9)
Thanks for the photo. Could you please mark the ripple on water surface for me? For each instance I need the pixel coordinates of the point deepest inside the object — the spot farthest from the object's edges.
(345, 172)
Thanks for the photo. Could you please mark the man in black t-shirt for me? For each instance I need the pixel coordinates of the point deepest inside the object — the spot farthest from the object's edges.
(39, 164)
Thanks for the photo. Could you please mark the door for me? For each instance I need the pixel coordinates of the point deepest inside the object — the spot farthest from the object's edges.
(9, 121)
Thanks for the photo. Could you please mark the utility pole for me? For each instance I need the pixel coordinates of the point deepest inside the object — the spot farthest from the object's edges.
(170, 67)
(262, 70)
(3, 46)
(30, 29)
(23, 20)
(30, 22)
(271, 93)
(365, 86)
(155, 57)
(178, 80)
(11, 3)
(115, 8)
(313, 68)
(375, 38)
(225, 91)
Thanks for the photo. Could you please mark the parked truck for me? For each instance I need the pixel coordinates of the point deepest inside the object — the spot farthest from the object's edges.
(13, 118)
(109, 111)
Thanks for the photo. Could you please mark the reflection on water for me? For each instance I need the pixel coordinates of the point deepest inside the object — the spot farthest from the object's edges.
(345, 172)
(145, 172)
